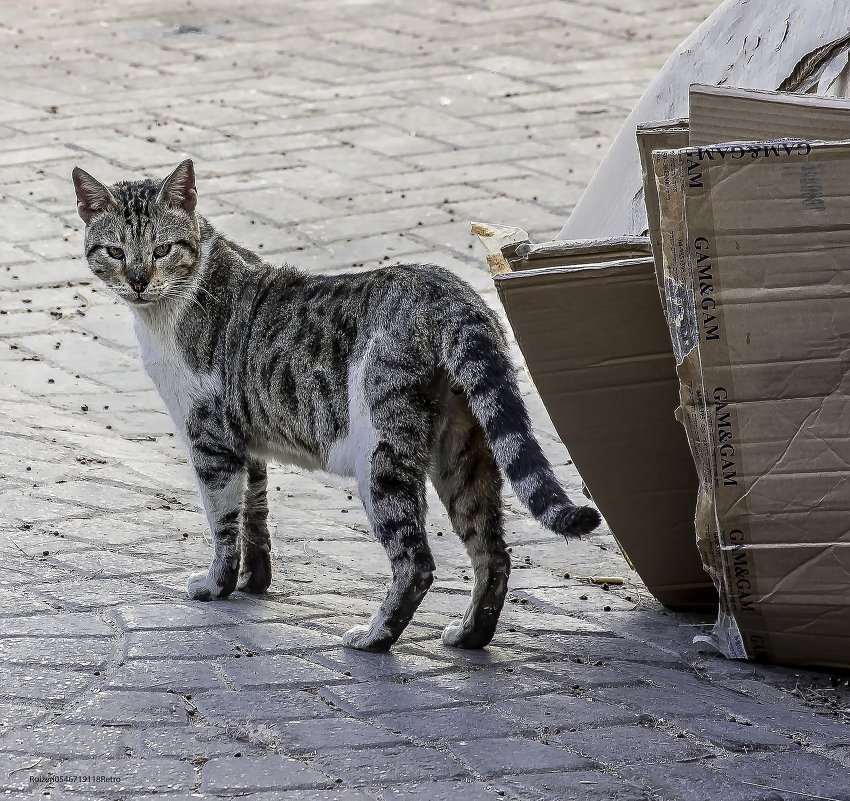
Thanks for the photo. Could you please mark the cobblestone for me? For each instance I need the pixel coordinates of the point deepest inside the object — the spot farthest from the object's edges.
(239, 775)
(499, 756)
(336, 136)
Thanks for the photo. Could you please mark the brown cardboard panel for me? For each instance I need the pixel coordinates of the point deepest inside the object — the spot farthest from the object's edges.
(756, 247)
(596, 345)
(666, 135)
(727, 114)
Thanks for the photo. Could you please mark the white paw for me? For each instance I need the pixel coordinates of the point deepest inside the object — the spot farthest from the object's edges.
(453, 633)
(365, 638)
(355, 635)
(202, 588)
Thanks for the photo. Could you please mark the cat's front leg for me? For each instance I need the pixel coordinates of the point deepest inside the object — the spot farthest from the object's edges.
(222, 476)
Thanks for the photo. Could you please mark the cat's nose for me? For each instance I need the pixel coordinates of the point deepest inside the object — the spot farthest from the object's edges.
(138, 286)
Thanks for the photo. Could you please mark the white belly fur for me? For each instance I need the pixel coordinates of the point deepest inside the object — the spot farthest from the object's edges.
(352, 454)
(179, 387)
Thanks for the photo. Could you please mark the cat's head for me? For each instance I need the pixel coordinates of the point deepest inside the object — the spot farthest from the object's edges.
(142, 237)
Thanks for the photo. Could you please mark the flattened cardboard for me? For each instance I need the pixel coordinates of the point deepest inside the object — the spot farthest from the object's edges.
(756, 260)
(667, 135)
(594, 340)
(725, 114)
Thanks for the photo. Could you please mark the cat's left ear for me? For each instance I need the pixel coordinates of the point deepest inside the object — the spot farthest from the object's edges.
(178, 189)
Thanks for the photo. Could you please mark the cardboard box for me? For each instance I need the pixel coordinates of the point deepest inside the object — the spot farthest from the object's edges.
(588, 319)
(756, 268)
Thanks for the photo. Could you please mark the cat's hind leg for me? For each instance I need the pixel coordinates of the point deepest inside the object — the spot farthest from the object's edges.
(469, 484)
(255, 566)
(396, 509)
(392, 488)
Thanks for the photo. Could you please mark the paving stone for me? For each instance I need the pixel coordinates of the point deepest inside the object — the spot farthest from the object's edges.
(694, 781)
(566, 712)
(62, 741)
(381, 765)
(182, 676)
(488, 685)
(57, 624)
(322, 735)
(129, 707)
(193, 744)
(91, 593)
(45, 683)
(185, 615)
(334, 794)
(499, 756)
(235, 706)
(89, 652)
(738, 734)
(795, 772)
(375, 697)
(465, 722)
(281, 637)
(240, 775)
(167, 644)
(123, 775)
(579, 675)
(264, 670)
(18, 770)
(622, 745)
(439, 791)
(580, 785)
(669, 702)
(395, 665)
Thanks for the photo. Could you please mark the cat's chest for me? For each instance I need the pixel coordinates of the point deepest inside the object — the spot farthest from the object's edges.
(179, 386)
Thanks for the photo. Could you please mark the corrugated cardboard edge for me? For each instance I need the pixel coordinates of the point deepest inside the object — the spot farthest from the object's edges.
(670, 169)
(665, 135)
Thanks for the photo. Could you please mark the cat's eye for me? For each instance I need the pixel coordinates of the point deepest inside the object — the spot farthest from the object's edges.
(161, 250)
(115, 253)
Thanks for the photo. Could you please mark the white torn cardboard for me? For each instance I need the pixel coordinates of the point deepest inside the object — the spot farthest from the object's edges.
(760, 45)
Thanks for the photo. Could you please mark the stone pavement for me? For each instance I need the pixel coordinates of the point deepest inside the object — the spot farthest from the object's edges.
(333, 134)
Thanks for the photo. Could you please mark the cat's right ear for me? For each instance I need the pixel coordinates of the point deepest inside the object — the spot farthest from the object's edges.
(92, 195)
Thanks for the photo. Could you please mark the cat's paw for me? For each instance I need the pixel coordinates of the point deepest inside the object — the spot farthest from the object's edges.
(201, 587)
(256, 575)
(457, 635)
(365, 638)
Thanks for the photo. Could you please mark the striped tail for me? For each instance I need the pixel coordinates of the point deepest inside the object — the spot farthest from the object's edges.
(474, 354)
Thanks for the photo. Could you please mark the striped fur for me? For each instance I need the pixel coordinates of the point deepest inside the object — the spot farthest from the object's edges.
(392, 376)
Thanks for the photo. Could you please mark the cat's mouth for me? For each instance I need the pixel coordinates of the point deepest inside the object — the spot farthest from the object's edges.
(138, 300)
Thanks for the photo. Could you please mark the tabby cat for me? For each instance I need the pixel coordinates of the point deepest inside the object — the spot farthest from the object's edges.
(392, 376)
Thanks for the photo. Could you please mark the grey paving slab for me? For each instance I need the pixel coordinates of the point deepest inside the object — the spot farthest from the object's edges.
(388, 765)
(229, 776)
(337, 136)
(502, 755)
(579, 785)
